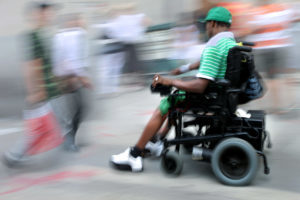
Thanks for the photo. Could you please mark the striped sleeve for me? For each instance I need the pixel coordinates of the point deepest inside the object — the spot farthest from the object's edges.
(210, 64)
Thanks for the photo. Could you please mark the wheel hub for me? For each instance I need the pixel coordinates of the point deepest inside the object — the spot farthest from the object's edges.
(234, 163)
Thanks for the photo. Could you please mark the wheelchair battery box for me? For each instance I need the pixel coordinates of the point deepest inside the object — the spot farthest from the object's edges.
(255, 121)
(254, 126)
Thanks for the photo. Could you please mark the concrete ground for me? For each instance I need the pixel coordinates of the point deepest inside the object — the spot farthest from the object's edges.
(114, 124)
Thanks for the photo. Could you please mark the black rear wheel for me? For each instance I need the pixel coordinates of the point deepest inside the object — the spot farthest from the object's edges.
(234, 162)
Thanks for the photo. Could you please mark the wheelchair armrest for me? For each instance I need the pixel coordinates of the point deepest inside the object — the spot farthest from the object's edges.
(234, 91)
(222, 82)
(161, 89)
(244, 43)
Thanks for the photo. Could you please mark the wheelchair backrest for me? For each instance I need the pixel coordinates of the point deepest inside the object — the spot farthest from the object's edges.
(240, 65)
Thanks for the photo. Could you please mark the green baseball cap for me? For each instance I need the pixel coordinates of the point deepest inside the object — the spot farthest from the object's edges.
(220, 14)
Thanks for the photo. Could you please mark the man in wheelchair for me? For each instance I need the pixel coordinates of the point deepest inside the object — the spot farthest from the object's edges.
(230, 140)
(212, 66)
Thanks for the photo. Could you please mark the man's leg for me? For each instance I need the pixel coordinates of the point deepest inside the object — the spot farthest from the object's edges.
(75, 118)
(151, 129)
(164, 130)
(132, 157)
(154, 146)
(64, 112)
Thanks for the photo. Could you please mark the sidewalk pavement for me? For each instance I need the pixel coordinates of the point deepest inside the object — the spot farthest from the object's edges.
(116, 123)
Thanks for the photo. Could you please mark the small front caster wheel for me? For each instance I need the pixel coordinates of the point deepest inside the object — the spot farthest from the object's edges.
(171, 163)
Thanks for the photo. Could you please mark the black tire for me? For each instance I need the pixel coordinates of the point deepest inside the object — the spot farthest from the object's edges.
(234, 162)
(171, 163)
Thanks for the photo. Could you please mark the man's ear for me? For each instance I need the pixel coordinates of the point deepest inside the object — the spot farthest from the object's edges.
(214, 24)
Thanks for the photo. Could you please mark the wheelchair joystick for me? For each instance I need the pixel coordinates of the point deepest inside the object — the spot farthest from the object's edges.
(162, 89)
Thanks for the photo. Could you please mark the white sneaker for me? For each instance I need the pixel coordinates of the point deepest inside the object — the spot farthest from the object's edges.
(11, 160)
(125, 161)
(155, 148)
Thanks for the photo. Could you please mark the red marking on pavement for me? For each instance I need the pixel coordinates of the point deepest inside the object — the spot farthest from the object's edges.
(102, 127)
(26, 182)
(106, 134)
(149, 112)
(294, 121)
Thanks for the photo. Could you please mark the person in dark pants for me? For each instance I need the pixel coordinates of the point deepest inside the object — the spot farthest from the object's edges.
(69, 66)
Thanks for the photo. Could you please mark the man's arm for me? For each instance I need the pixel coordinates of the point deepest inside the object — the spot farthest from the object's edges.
(196, 86)
(81, 70)
(57, 54)
(186, 68)
(34, 81)
(194, 66)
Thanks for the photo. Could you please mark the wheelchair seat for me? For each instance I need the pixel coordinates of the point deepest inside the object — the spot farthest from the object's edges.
(224, 94)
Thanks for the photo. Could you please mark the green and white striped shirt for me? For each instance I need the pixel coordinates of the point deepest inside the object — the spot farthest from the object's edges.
(213, 63)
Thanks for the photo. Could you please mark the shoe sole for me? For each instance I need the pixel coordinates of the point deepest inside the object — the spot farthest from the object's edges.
(123, 167)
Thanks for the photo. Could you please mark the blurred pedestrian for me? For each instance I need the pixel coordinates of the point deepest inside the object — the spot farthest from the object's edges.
(240, 17)
(120, 33)
(271, 23)
(70, 61)
(200, 14)
(186, 44)
(42, 91)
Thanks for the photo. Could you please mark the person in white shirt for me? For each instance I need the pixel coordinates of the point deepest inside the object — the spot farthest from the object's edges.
(121, 32)
(69, 65)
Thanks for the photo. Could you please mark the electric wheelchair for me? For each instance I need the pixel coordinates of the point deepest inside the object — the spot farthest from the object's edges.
(230, 142)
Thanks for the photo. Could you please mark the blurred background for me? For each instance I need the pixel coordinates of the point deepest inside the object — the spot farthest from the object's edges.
(161, 35)
(16, 22)
(128, 41)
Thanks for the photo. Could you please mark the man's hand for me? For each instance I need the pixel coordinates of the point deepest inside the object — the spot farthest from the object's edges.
(157, 79)
(86, 82)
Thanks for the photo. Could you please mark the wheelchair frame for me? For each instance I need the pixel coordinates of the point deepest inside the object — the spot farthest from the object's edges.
(224, 135)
